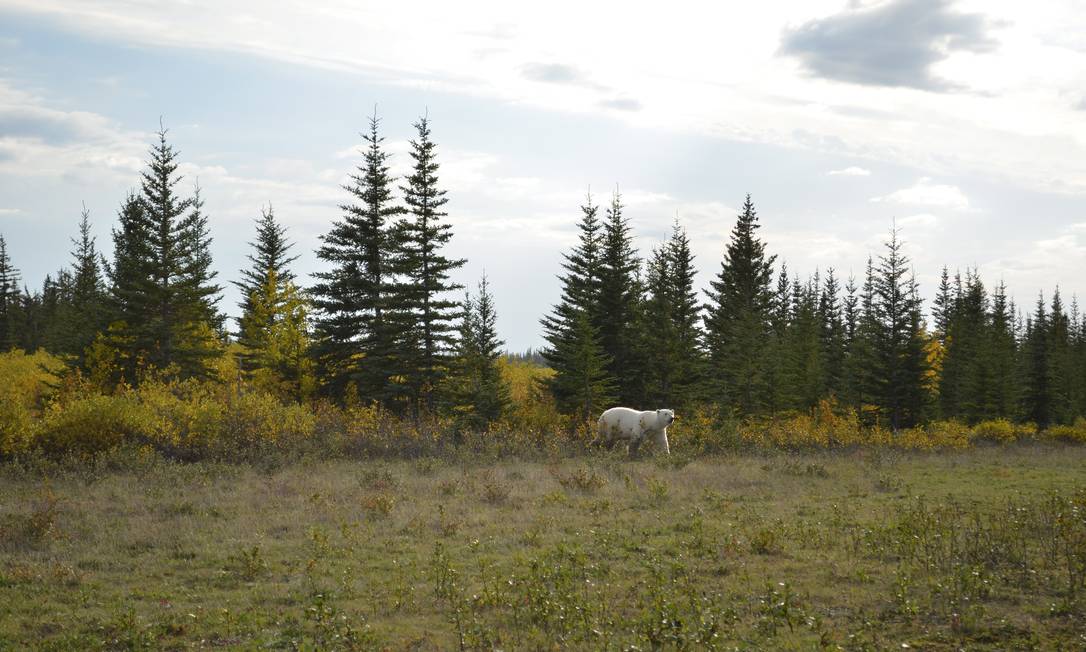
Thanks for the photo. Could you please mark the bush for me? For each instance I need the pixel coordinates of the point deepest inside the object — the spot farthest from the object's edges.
(1074, 434)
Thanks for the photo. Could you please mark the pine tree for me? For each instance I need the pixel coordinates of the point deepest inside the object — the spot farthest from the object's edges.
(803, 348)
(358, 343)
(120, 349)
(1002, 350)
(429, 313)
(584, 387)
(943, 310)
(832, 336)
(10, 299)
(685, 312)
(619, 296)
(581, 381)
(1037, 398)
(1061, 371)
(270, 252)
(965, 380)
(482, 393)
(162, 296)
(274, 335)
(900, 355)
(269, 296)
(84, 315)
(738, 318)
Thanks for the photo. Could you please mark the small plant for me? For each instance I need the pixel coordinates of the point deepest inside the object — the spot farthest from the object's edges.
(247, 564)
(658, 490)
(766, 541)
(33, 528)
(378, 504)
(583, 479)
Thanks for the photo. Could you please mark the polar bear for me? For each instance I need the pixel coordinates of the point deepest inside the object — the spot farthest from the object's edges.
(633, 427)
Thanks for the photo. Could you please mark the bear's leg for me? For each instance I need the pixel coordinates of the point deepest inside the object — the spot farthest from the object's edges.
(634, 446)
(661, 442)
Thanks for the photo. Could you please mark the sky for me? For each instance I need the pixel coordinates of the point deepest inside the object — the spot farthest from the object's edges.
(962, 123)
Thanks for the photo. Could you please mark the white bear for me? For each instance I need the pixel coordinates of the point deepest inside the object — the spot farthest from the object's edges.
(633, 427)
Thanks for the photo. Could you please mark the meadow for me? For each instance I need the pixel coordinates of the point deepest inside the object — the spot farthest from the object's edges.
(866, 548)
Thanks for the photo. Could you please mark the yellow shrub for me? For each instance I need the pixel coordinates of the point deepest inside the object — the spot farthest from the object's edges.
(938, 434)
(1000, 431)
(1075, 433)
(25, 383)
(90, 425)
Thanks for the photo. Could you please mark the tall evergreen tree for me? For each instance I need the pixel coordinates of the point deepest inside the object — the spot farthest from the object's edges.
(832, 335)
(738, 318)
(162, 292)
(899, 352)
(270, 301)
(358, 341)
(1002, 349)
(10, 298)
(482, 393)
(1037, 372)
(619, 296)
(428, 311)
(581, 382)
(270, 251)
(85, 313)
(1061, 372)
(274, 334)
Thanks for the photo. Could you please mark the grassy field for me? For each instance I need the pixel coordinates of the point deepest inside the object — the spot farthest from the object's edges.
(980, 549)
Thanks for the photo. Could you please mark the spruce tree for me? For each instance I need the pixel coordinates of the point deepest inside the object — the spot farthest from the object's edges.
(270, 252)
(803, 348)
(619, 296)
(85, 311)
(163, 296)
(1061, 372)
(738, 318)
(685, 313)
(270, 300)
(358, 343)
(832, 336)
(1002, 350)
(131, 289)
(482, 393)
(274, 334)
(581, 380)
(660, 333)
(1037, 396)
(900, 356)
(427, 311)
(10, 298)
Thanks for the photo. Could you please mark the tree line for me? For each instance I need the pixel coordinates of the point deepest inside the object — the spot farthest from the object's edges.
(762, 341)
(381, 325)
(385, 324)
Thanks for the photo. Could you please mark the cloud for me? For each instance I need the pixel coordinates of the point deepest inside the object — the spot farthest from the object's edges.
(10, 211)
(926, 193)
(921, 220)
(622, 104)
(552, 73)
(852, 171)
(894, 43)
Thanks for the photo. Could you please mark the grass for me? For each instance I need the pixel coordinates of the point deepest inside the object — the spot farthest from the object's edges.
(869, 549)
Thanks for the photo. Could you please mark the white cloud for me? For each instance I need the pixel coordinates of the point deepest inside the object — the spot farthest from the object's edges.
(10, 211)
(926, 193)
(703, 72)
(851, 171)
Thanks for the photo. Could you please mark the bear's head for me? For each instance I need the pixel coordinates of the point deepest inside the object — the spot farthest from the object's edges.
(665, 418)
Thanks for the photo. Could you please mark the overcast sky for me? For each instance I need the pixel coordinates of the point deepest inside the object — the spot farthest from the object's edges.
(963, 121)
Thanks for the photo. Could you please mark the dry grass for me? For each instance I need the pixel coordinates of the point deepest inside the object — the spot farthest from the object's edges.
(984, 549)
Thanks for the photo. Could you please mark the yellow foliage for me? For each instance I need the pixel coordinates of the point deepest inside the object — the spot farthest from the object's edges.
(1075, 433)
(25, 382)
